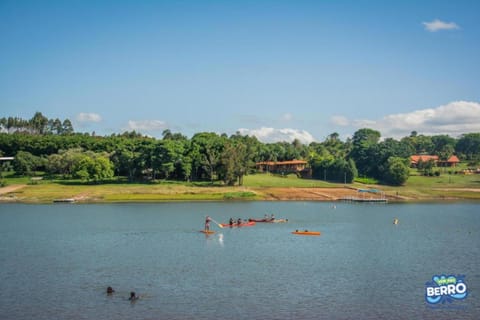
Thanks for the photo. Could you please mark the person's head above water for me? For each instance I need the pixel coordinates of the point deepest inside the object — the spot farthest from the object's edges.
(110, 290)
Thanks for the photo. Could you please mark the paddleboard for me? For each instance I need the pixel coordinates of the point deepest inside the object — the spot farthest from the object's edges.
(307, 233)
(207, 231)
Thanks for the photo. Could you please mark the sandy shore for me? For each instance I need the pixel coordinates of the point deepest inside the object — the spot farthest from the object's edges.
(311, 194)
(33, 194)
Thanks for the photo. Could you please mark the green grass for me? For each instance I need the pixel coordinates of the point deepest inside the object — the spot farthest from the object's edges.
(365, 180)
(445, 186)
(10, 178)
(445, 181)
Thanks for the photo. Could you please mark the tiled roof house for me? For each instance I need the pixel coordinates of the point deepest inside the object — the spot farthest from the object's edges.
(281, 166)
(451, 162)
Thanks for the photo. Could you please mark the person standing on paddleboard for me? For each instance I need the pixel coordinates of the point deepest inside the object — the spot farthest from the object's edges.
(207, 223)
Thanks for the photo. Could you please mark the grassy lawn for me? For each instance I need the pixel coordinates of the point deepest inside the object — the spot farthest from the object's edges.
(47, 191)
(9, 178)
(444, 186)
(445, 181)
(417, 187)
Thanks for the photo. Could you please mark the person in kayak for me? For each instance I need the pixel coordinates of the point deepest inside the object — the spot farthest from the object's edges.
(133, 296)
(239, 221)
(231, 222)
(207, 223)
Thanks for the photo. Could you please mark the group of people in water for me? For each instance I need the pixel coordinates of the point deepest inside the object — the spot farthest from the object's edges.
(232, 221)
(133, 295)
(269, 218)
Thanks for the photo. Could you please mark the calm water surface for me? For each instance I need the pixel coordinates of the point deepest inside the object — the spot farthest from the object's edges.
(56, 261)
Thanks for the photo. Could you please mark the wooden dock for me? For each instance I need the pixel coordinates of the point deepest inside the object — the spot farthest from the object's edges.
(360, 199)
(68, 200)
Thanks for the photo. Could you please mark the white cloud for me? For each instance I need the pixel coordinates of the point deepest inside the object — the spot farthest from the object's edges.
(88, 117)
(269, 135)
(437, 25)
(339, 121)
(147, 125)
(454, 119)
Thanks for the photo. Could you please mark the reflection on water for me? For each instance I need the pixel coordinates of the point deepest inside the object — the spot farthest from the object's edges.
(56, 261)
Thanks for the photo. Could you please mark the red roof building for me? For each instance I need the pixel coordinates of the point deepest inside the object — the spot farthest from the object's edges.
(415, 159)
(451, 162)
(281, 166)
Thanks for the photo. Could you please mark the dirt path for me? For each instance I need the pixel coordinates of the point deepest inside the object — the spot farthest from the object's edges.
(315, 194)
(8, 189)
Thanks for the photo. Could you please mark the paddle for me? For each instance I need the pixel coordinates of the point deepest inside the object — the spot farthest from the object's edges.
(217, 223)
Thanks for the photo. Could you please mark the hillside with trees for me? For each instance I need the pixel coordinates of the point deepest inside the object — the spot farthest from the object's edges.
(52, 146)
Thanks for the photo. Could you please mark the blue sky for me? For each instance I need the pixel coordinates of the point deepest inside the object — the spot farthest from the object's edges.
(276, 69)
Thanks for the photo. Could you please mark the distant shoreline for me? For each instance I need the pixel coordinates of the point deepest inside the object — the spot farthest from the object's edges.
(50, 193)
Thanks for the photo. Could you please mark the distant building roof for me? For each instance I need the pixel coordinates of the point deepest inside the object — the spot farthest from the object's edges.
(453, 159)
(6, 158)
(423, 158)
(415, 159)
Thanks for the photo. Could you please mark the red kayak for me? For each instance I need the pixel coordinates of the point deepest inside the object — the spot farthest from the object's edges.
(262, 220)
(234, 225)
(269, 220)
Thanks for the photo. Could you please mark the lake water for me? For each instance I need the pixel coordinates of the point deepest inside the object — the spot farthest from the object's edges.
(56, 261)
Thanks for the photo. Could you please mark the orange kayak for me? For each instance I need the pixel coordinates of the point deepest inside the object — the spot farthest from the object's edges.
(307, 233)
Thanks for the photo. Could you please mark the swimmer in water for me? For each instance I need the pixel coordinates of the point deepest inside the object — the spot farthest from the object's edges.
(133, 296)
(110, 290)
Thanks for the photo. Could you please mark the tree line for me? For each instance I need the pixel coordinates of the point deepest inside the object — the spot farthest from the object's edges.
(209, 156)
(38, 124)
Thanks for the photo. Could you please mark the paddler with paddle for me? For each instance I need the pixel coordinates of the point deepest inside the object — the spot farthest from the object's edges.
(207, 223)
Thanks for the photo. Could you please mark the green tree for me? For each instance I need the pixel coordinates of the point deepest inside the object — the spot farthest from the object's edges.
(334, 169)
(127, 161)
(67, 127)
(25, 163)
(423, 144)
(426, 167)
(93, 167)
(335, 146)
(39, 123)
(468, 146)
(167, 155)
(443, 146)
(102, 168)
(208, 148)
(397, 171)
(230, 158)
(55, 126)
(364, 151)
